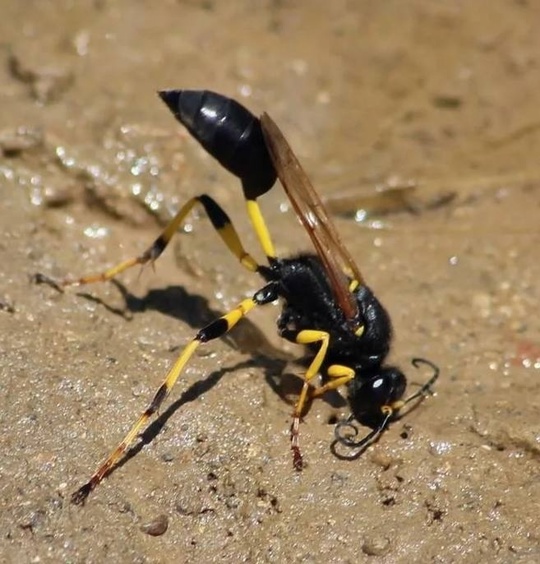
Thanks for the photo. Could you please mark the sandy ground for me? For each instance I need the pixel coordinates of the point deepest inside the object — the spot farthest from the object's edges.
(436, 102)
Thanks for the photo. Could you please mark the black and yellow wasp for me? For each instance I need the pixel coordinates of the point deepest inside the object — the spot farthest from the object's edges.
(327, 305)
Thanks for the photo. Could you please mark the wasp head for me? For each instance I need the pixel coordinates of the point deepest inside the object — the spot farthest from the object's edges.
(372, 396)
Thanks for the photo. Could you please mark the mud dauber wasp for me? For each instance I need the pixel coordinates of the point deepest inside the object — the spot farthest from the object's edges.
(327, 307)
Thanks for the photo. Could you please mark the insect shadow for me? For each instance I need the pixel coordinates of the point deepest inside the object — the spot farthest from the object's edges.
(195, 311)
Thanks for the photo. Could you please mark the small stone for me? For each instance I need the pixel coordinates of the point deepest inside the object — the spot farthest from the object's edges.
(376, 546)
(157, 526)
(46, 81)
(13, 142)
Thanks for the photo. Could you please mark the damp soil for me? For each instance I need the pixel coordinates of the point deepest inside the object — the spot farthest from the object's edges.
(419, 124)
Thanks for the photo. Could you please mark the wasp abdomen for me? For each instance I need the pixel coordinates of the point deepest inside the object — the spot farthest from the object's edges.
(227, 131)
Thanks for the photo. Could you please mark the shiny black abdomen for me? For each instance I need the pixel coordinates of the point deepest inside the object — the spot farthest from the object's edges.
(228, 132)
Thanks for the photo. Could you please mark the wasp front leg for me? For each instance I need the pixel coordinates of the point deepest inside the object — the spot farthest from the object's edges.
(305, 337)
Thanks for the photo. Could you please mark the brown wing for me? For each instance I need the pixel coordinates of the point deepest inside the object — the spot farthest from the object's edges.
(309, 208)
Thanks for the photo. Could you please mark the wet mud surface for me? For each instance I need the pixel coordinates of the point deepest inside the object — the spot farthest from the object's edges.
(419, 124)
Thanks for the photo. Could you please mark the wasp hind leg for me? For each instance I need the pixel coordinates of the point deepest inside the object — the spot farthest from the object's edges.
(213, 330)
(220, 221)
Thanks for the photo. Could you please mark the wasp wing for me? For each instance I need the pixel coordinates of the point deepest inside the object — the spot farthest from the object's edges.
(309, 208)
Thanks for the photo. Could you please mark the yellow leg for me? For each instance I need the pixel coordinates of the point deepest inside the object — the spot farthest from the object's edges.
(339, 375)
(220, 221)
(306, 337)
(212, 331)
(259, 226)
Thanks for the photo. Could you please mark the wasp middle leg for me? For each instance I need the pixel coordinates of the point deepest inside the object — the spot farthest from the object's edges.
(220, 221)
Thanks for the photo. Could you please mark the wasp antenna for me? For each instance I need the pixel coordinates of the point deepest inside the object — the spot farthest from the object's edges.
(364, 442)
(426, 388)
(345, 432)
(417, 361)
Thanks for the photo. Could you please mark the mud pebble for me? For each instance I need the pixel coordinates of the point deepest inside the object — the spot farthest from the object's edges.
(46, 81)
(376, 546)
(382, 459)
(57, 196)
(13, 142)
(447, 100)
(7, 305)
(157, 526)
